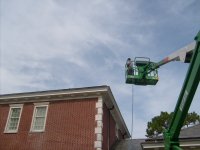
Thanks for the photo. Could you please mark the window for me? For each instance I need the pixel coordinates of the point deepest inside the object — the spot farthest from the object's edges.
(13, 118)
(39, 118)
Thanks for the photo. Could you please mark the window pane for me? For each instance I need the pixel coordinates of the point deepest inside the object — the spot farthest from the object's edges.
(40, 111)
(13, 119)
(15, 112)
(39, 123)
(13, 123)
(39, 118)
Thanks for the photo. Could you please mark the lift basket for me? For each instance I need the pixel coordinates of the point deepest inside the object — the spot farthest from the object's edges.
(139, 74)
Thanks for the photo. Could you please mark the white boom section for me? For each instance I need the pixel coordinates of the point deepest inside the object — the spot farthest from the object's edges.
(180, 55)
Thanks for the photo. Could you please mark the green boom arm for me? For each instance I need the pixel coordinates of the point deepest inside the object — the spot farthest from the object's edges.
(185, 99)
(190, 53)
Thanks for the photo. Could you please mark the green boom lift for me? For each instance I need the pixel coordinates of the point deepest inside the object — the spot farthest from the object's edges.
(144, 72)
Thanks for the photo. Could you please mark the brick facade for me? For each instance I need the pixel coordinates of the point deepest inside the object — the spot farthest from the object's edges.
(70, 126)
(109, 129)
(77, 119)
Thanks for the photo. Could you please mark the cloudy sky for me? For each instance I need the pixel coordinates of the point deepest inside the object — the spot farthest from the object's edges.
(61, 44)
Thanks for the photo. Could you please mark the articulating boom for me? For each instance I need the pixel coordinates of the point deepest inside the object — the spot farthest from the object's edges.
(144, 72)
(190, 53)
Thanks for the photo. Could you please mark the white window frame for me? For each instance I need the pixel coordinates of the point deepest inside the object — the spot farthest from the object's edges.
(12, 106)
(34, 113)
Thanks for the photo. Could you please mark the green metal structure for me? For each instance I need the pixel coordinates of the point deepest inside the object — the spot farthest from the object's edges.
(139, 74)
(191, 54)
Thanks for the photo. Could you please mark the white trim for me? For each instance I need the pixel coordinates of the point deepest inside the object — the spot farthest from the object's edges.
(99, 137)
(64, 98)
(99, 122)
(53, 94)
(98, 117)
(16, 105)
(98, 144)
(100, 111)
(99, 104)
(41, 104)
(6, 130)
(160, 145)
(98, 130)
(34, 113)
(186, 145)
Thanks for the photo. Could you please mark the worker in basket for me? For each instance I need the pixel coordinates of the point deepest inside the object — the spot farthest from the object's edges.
(129, 66)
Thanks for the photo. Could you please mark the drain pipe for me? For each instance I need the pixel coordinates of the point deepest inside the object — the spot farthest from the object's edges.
(108, 131)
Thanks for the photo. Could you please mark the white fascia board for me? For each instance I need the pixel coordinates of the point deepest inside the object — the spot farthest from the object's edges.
(161, 145)
(27, 95)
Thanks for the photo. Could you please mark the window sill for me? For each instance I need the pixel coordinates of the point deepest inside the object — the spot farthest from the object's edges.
(37, 131)
(10, 132)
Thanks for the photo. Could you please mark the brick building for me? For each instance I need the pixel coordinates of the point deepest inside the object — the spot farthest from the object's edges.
(71, 119)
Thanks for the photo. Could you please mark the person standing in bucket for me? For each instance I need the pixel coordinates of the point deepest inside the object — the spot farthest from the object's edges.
(129, 66)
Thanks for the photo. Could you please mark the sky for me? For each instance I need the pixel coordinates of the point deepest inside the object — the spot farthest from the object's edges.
(61, 44)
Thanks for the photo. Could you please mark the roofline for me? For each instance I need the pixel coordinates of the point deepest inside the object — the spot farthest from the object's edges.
(183, 143)
(161, 140)
(69, 94)
(192, 126)
(53, 92)
(119, 113)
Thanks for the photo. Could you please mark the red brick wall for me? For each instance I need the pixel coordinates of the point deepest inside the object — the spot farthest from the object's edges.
(69, 126)
(108, 135)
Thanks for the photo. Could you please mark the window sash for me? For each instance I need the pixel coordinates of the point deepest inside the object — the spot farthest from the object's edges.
(13, 119)
(39, 118)
(40, 112)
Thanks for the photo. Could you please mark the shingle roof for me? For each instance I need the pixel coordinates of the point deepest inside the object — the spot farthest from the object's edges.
(129, 144)
(135, 144)
(191, 132)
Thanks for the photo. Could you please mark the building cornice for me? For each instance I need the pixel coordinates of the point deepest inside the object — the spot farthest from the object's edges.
(54, 94)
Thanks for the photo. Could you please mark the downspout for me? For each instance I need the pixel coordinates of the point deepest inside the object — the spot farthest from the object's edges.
(123, 135)
(108, 131)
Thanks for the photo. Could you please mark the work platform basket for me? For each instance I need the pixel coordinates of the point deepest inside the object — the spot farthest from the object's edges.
(140, 74)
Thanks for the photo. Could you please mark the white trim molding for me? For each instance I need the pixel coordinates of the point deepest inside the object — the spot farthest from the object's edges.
(38, 105)
(99, 122)
(10, 116)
